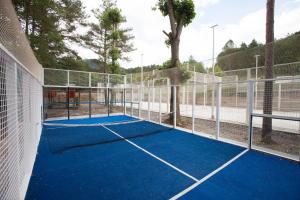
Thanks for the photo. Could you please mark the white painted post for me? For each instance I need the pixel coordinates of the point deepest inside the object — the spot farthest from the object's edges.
(193, 107)
(159, 105)
(124, 99)
(148, 101)
(90, 79)
(68, 77)
(213, 98)
(131, 85)
(168, 95)
(236, 91)
(174, 106)
(279, 96)
(250, 93)
(140, 96)
(107, 81)
(187, 99)
(218, 108)
(205, 91)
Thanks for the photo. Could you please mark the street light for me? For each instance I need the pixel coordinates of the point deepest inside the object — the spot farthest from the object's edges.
(256, 72)
(213, 48)
(213, 68)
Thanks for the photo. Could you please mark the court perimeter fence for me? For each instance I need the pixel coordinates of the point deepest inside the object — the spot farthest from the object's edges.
(21, 80)
(216, 109)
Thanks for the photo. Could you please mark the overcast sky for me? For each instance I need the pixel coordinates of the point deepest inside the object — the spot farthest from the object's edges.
(239, 20)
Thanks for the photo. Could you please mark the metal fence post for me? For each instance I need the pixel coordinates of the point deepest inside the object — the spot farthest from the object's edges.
(174, 106)
(279, 96)
(168, 95)
(68, 101)
(124, 99)
(218, 108)
(148, 101)
(159, 105)
(131, 100)
(193, 107)
(90, 79)
(250, 93)
(140, 97)
(90, 102)
(68, 78)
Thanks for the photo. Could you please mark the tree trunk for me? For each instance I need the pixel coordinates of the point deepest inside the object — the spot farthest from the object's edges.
(269, 62)
(174, 78)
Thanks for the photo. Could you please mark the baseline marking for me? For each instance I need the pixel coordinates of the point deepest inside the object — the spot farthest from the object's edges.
(208, 176)
(154, 156)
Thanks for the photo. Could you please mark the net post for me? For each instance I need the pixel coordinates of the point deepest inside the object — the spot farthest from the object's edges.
(218, 91)
(159, 105)
(90, 102)
(148, 101)
(250, 92)
(174, 106)
(193, 107)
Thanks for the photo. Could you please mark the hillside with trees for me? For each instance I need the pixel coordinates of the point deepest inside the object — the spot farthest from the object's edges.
(286, 50)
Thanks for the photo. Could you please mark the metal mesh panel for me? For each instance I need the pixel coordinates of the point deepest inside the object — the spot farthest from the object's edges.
(14, 40)
(99, 80)
(55, 77)
(21, 103)
(77, 78)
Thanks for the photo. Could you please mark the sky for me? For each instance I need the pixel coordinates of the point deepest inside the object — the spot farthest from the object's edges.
(238, 20)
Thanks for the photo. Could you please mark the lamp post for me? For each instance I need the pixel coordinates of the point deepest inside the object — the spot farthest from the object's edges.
(213, 69)
(256, 74)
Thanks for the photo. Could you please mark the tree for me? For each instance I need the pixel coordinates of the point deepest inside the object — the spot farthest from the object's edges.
(180, 13)
(243, 46)
(253, 44)
(107, 38)
(51, 26)
(192, 63)
(269, 62)
(229, 45)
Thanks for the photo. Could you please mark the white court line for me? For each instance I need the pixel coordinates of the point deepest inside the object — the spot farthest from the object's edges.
(208, 176)
(154, 156)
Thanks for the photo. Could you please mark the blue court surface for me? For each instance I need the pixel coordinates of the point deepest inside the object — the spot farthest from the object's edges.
(119, 157)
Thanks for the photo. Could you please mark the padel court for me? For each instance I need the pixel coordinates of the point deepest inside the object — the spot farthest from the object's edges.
(121, 157)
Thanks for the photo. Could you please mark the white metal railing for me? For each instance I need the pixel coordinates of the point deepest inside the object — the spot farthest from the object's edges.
(232, 113)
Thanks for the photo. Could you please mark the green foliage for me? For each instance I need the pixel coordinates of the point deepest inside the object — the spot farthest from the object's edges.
(286, 50)
(107, 39)
(185, 74)
(192, 63)
(184, 10)
(50, 27)
(217, 68)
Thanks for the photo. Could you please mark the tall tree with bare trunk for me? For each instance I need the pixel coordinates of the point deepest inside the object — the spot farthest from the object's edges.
(269, 62)
(180, 13)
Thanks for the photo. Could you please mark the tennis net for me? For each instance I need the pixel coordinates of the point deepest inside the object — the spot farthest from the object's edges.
(64, 137)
